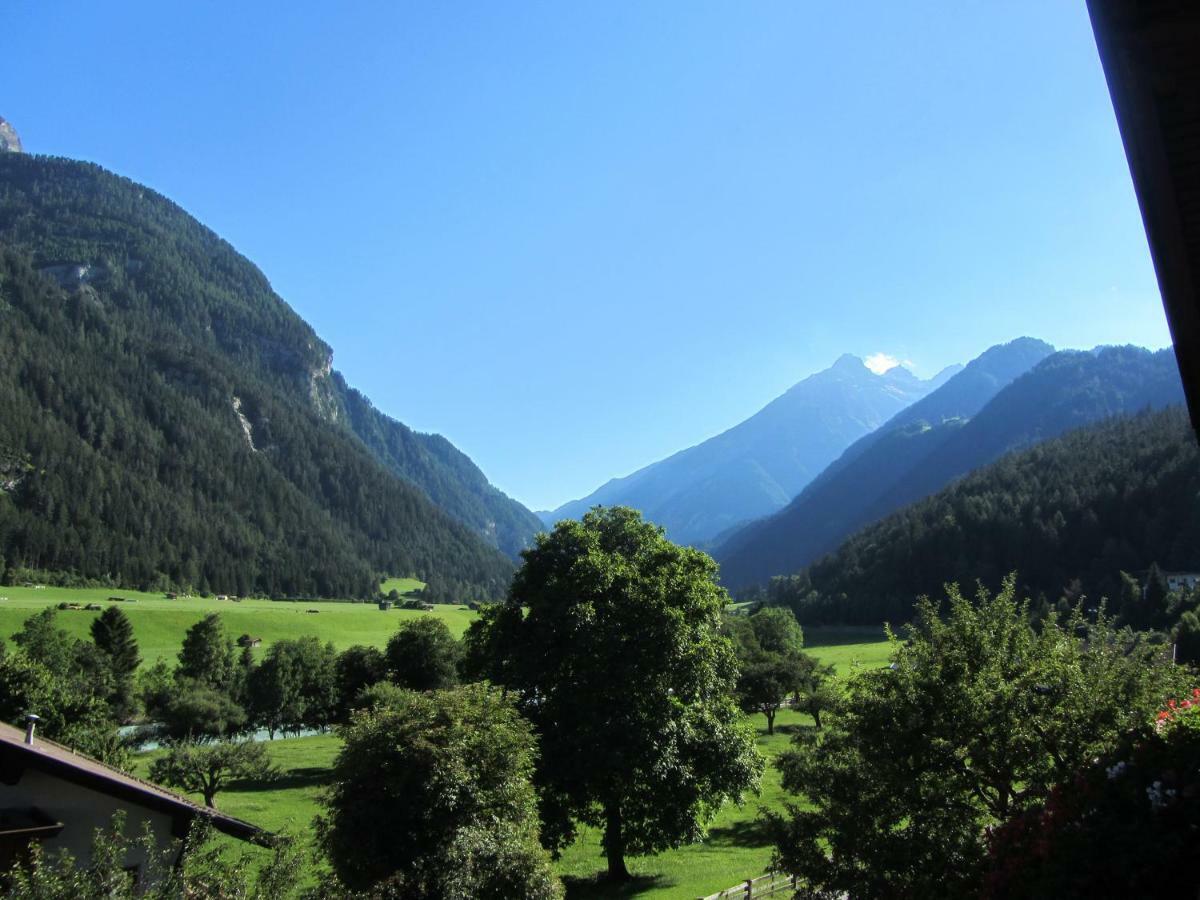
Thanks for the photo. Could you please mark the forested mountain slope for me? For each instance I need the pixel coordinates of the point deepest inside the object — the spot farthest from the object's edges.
(757, 466)
(167, 419)
(1068, 515)
(446, 474)
(954, 433)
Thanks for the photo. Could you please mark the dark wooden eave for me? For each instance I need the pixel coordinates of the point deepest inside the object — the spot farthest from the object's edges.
(1150, 50)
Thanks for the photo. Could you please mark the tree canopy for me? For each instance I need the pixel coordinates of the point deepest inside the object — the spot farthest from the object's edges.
(137, 344)
(423, 655)
(207, 654)
(611, 641)
(431, 797)
(978, 716)
(1070, 514)
(207, 768)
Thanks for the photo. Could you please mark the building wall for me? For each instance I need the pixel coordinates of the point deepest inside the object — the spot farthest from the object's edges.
(82, 811)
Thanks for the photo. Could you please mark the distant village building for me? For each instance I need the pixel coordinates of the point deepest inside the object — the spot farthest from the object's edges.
(1178, 581)
(59, 798)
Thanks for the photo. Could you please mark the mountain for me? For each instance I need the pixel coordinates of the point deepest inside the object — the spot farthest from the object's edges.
(928, 446)
(1068, 515)
(759, 465)
(166, 419)
(845, 496)
(443, 471)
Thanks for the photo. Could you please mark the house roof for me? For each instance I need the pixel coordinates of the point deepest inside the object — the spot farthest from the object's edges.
(1150, 50)
(55, 759)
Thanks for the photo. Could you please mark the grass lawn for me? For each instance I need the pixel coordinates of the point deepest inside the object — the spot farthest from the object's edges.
(736, 847)
(159, 624)
(846, 647)
(402, 586)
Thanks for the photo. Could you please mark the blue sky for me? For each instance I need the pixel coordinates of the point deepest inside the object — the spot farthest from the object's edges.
(577, 237)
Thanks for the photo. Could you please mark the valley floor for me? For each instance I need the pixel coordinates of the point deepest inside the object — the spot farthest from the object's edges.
(160, 624)
(736, 847)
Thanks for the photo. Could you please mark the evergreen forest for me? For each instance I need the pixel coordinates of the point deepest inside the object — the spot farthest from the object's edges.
(167, 422)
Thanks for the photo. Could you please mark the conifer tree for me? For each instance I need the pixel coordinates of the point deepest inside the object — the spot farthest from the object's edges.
(113, 633)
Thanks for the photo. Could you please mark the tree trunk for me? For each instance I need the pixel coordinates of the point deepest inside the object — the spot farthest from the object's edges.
(770, 714)
(614, 842)
(816, 714)
(210, 798)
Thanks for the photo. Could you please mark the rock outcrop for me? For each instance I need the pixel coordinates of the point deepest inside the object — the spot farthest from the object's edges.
(8, 137)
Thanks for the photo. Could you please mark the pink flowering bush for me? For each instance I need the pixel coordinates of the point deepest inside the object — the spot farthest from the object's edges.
(1126, 826)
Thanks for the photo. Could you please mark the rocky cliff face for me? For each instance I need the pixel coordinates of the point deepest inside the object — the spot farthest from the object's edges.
(8, 137)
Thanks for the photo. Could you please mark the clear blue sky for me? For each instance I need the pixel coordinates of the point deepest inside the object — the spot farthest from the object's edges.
(576, 237)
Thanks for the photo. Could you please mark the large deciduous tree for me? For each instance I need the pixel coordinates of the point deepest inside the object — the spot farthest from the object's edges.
(979, 714)
(194, 711)
(358, 667)
(431, 797)
(765, 683)
(773, 665)
(423, 655)
(295, 686)
(611, 641)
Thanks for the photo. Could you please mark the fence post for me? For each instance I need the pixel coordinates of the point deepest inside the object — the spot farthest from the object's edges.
(749, 888)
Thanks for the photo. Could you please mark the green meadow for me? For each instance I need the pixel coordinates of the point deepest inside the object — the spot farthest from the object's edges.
(160, 624)
(736, 847)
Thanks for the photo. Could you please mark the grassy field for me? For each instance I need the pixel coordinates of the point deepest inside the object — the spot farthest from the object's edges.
(736, 847)
(402, 586)
(159, 624)
(847, 648)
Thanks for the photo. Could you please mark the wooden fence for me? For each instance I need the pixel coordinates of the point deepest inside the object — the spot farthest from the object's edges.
(771, 884)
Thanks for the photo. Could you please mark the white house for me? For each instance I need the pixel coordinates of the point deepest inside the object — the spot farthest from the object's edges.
(1177, 581)
(53, 795)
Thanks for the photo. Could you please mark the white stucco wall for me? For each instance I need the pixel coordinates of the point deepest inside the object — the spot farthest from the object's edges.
(82, 811)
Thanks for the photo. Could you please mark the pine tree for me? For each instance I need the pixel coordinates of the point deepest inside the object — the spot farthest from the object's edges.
(113, 634)
(207, 654)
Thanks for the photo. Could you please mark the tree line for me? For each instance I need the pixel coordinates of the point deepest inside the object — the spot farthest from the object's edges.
(1079, 516)
(122, 462)
(610, 690)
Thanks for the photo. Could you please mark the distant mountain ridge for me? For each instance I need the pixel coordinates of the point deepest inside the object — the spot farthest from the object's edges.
(158, 364)
(1069, 515)
(759, 465)
(444, 472)
(950, 433)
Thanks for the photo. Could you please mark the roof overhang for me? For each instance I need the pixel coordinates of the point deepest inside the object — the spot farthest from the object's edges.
(16, 757)
(1150, 50)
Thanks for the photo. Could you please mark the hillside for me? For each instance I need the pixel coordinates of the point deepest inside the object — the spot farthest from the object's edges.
(759, 465)
(1068, 515)
(980, 414)
(443, 471)
(168, 420)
